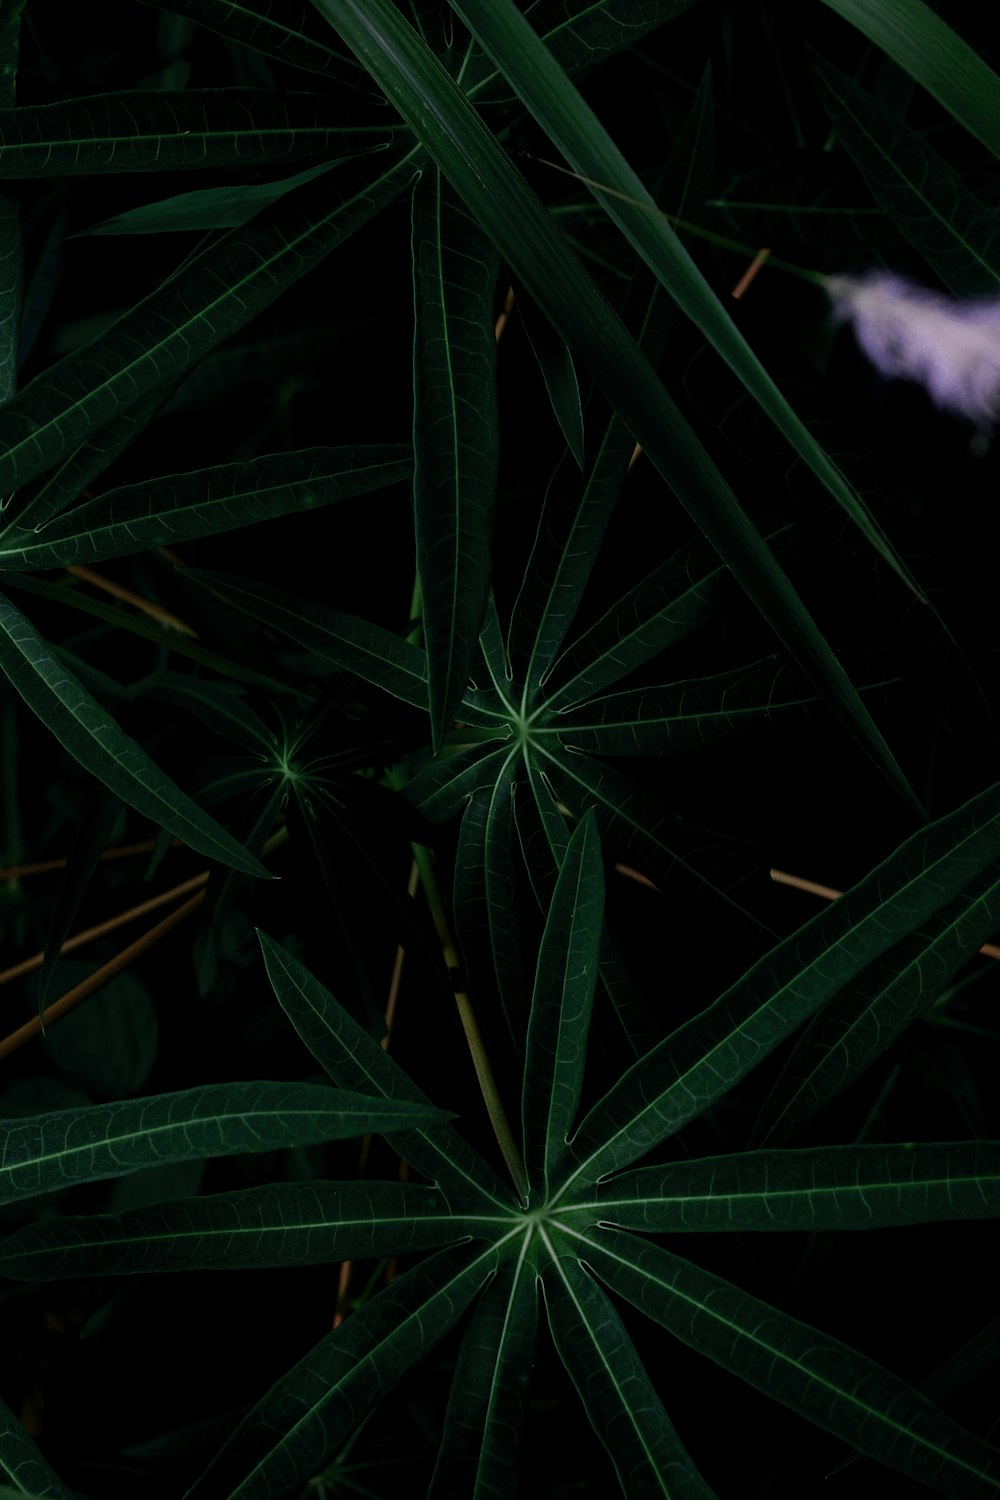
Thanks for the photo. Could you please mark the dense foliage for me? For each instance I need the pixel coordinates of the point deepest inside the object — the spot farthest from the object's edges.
(455, 656)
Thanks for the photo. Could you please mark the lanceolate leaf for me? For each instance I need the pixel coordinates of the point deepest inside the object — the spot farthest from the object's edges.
(912, 183)
(352, 644)
(207, 208)
(861, 1024)
(478, 1457)
(92, 737)
(180, 507)
(817, 1188)
(558, 107)
(493, 189)
(455, 442)
(195, 309)
(278, 1224)
(579, 41)
(310, 1413)
(615, 1389)
(560, 1007)
(742, 705)
(157, 131)
(284, 36)
(49, 1152)
(22, 1467)
(814, 1374)
(354, 1060)
(688, 1071)
(928, 49)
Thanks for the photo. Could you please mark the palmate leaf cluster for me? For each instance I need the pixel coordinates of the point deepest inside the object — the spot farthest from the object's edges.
(207, 633)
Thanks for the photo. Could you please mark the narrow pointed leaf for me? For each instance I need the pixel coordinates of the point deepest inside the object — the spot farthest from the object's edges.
(687, 1072)
(444, 787)
(284, 35)
(581, 40)
(180, 507)
(745, 704)
(454, 135)
(814, 1374)
(455, 434)
(913, 184)
(22, 1467)
(92, 737)
(555, 361)
(207, 208)
(576, 510)
(573, 127)
(667, 606)
(928, 49)
(615, 1389)
(162, 131)
(62, 486)
(350, 643)
(277, 1224)
(640, 829)
(574, 518)
(46, 1153)
(485, 902)
(221, 706)
(563, 997)
(190, 313)
(817, 1188)
(306, 1417)
(859, 1026)
(353, 1060)
(478, 1458)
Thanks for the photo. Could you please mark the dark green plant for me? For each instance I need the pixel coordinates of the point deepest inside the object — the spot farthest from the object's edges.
(256, 678)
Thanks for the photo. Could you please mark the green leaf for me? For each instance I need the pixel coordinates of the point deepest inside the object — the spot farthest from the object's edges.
(206, 208)
(306, 1417)
(573, 127)
(354, 1060)
(810, 1372)
(350, 643)
(453, 134)
(640, 829)
(63, 485)
(616, 1392)
(218, 705)
(92, 737)
(207, 300)
(23, 1470)
(180, 507)
(11, 292)
(743, 704)
(687, 1072)
(485, 900)
(284, 36)
(160, 131)
(478, 1457)
(560, 1008)
(576, 512)
(277, 1224)
(926, 198)
(455, 434)
(556, 364)
(860, 1025)
(581, 40)
(926, 47)
(817, 1188)
(49, 1152)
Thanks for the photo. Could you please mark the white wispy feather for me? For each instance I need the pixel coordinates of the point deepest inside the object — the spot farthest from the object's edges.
(911, 333)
